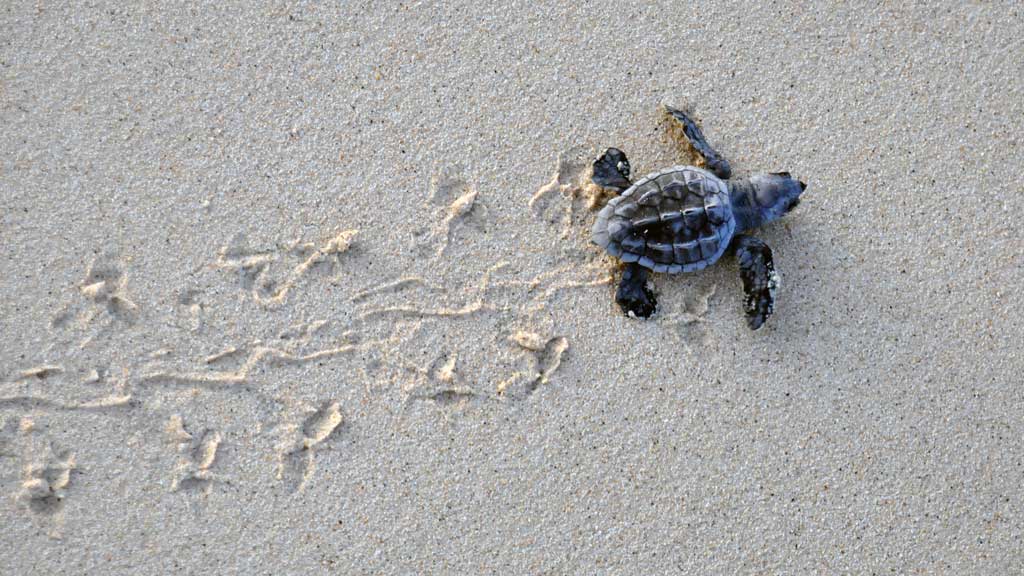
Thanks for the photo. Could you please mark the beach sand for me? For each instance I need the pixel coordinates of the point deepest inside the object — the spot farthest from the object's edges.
(308, 288)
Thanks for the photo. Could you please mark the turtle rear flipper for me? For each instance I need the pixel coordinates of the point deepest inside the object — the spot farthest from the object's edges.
(714, 161)
(759, 278)
(633, 294)
(611, 170)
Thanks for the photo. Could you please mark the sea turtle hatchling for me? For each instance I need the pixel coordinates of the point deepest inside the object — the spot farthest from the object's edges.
(684, 218)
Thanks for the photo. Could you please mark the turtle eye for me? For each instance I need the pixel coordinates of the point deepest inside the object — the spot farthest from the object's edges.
(623, 167)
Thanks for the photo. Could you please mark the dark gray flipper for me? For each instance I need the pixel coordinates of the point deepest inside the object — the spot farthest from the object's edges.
(759, 278)
(633, 294)
(715, 162)
(611, 170)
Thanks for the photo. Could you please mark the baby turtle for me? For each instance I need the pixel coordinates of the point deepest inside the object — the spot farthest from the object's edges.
(684, 218)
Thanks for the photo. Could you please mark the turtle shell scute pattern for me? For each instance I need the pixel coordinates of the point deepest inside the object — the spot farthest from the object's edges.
(676, 220)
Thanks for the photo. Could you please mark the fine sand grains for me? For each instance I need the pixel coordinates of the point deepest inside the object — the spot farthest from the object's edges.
(309, 288)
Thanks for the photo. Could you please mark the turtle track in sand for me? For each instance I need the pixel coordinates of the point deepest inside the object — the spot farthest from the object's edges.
(437, 338)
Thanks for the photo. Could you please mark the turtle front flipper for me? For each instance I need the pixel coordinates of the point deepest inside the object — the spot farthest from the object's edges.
(759, 278)
(611, 170)
(633, 294)
(714, 161)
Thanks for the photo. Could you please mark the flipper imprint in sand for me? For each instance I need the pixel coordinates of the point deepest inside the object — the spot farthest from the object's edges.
(453, 201)
(45, 471)
(307, 431)
(196, 457)
(570, 196)
(257, 269)
(99, 304)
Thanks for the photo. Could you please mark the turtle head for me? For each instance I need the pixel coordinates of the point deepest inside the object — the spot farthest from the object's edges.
(765, 197)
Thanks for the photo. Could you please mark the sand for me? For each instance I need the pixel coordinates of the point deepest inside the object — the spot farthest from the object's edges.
(307, 288)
